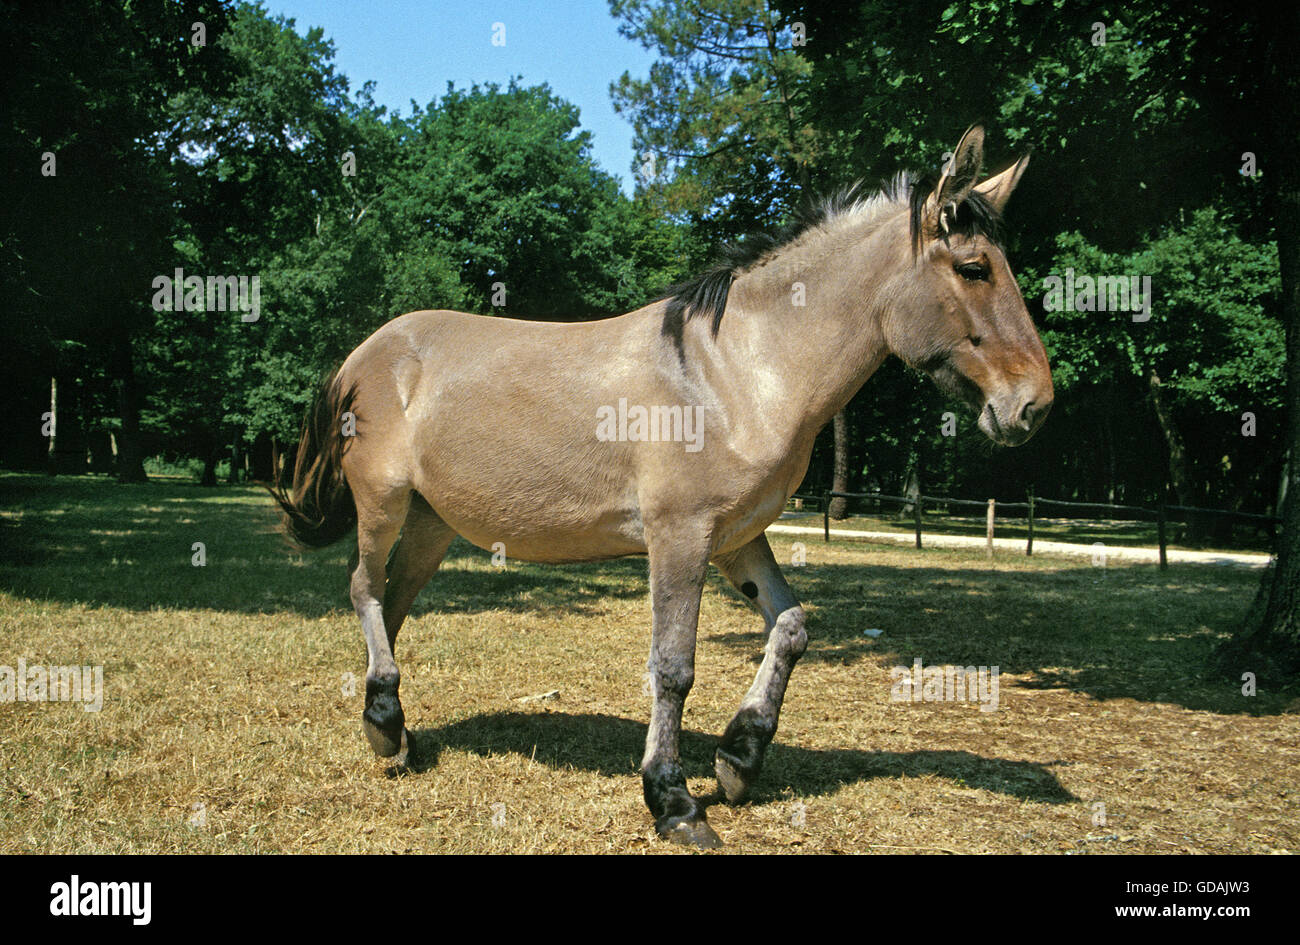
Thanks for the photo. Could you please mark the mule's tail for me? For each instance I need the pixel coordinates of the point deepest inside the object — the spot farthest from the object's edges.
(318, 508)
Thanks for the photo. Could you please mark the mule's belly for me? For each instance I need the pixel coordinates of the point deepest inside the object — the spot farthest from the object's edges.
(534, 509)
(549, 538)
(545, 537)
(504, 494)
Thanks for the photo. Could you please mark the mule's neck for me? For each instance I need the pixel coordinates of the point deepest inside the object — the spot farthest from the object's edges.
(804, 362)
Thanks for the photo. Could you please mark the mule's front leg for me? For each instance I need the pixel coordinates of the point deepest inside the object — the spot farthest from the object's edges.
(754, 572)
(676, 582)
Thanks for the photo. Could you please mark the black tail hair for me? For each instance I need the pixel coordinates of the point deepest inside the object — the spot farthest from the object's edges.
(318, 510)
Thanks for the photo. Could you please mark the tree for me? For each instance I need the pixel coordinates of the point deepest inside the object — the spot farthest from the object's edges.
(717, 127)
(1208, 350)
(84, 120)
(1269, 639)
(257, 164)
(501, 183)
(243, 154)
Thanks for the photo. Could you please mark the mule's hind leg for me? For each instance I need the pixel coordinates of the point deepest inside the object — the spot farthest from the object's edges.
(420, 549)
(424, 542)
(379, 521)
(754, 572)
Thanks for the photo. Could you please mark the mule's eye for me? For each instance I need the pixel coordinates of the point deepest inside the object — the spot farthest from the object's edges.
(975, 340)
(972, 271)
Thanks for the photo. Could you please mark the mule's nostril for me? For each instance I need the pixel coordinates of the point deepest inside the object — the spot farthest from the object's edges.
(1033, 413)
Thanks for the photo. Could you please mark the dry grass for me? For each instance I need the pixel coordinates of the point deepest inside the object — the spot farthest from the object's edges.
(224, 687)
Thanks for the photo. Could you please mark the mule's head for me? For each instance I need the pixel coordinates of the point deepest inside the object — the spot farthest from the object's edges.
(958, 314)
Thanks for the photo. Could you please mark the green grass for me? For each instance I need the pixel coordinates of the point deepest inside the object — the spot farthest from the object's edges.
(226, 688)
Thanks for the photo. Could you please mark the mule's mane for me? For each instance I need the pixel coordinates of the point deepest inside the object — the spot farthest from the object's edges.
(706, 294)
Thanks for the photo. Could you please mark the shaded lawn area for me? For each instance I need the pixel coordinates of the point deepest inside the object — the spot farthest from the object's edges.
(232, 696)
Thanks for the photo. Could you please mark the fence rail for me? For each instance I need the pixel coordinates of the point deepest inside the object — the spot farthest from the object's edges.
(1033, 504)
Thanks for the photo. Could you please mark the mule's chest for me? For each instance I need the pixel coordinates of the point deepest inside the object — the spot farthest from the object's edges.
(759, 498)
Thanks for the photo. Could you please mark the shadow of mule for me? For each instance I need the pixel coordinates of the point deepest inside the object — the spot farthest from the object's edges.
(612, 746)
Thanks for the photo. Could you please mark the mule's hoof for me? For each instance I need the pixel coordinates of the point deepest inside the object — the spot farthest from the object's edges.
(690, 833)
(404, 751)
(734, 785)
(383, 720)
(388, 743)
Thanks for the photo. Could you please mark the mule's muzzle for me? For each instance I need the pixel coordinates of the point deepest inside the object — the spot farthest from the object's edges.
(1013, 420)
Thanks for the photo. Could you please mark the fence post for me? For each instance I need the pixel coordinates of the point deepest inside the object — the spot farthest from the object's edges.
(1160, 530)
(916, 515)
(826, 515)
(1029, 548)
(990, 529)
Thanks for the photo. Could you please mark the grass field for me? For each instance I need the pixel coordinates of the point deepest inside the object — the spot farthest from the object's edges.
(229, 725)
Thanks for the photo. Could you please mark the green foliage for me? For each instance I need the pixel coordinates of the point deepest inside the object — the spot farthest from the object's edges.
(501, 183)
(1214, 342)
(719, 134)
(1215, 334)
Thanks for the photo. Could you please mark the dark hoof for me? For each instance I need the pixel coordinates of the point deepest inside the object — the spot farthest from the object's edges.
(739, 757)
(383, 720)
(734, 785)
(690, 833)
(387, 743)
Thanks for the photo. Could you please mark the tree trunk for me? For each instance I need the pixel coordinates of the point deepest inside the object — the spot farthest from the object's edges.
(130, 451)
(912, 490)
(263, 462)
(236, 456)
(1268, 642)
(1180, 473)
(51, 466)
(209, 476)
(100, 443)
(1108, 437)
(69, 444)
(840, 475)
(1284, 477)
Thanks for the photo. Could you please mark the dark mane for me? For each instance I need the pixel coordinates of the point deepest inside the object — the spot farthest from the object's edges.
(706, 294)
(974, 215)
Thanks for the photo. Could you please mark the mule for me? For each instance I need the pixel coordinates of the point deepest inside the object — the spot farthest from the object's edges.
(570, 442)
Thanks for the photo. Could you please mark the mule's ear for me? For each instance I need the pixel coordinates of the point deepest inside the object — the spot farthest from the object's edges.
(959, 177)
(998, 187)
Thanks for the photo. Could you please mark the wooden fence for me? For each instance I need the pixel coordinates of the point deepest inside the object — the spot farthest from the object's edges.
(1033, 505)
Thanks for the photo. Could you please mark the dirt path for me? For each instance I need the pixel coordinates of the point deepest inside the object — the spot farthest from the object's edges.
(1017, 546)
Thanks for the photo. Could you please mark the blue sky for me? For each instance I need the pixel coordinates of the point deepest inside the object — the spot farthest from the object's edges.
(412, 49)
